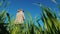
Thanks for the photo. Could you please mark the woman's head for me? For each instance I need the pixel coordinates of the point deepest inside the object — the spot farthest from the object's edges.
(20, 10)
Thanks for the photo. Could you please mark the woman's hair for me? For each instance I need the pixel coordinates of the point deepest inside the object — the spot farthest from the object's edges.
(20, 10)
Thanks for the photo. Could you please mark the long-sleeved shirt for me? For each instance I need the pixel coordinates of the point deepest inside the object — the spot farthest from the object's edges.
(19, 18)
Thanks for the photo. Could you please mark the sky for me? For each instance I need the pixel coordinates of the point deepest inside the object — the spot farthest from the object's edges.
(29, 6)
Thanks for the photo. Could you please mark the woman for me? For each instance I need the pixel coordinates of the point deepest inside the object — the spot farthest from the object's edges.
(20, 17)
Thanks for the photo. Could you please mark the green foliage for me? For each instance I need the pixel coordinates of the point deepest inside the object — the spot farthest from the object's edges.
(3, 25)
(51, 24)
(50, 21)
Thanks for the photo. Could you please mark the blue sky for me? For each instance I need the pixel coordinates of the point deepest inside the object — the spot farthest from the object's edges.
(28, 6)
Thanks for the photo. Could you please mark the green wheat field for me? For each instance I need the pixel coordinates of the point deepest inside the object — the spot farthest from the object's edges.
(51, 23)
